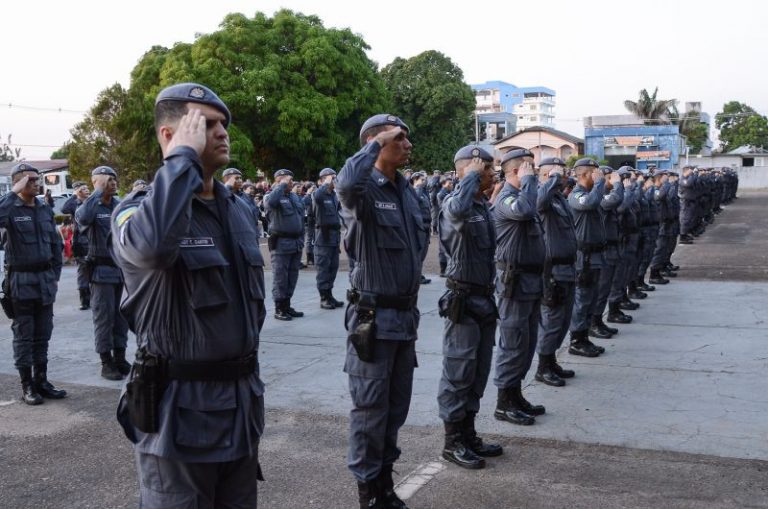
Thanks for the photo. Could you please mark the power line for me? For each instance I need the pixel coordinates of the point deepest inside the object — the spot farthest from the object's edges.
(11, 105)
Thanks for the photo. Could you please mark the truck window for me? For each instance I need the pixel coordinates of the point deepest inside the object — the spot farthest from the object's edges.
(52, 180)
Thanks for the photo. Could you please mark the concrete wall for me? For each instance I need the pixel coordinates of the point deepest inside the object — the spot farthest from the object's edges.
(753, 177)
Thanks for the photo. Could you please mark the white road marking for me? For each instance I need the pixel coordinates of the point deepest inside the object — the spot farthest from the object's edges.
(413, 482)
(6, 403)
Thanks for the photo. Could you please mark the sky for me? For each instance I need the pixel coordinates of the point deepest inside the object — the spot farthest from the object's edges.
(595, 54)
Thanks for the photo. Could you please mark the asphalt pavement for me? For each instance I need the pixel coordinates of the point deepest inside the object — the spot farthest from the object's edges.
(673, 415)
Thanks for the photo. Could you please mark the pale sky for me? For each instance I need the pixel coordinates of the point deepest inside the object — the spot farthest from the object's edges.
(593, 53)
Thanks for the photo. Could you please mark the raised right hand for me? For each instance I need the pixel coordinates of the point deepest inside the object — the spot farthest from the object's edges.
(190, 132)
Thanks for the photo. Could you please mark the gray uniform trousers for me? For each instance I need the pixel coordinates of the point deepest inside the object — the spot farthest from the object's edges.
(327, 266)
(554, 321)
(82, 274)
(629, 263)
(660, 251)
(309, 245)
(607, 276)
(285, 272)
(649, 233)
(165, 483)
(518, 333)
(32, 330)
(585, 302)
(467, 356)
(109, 327)
(381, 396)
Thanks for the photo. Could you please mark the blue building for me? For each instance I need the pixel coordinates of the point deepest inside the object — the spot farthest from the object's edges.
(625, 140)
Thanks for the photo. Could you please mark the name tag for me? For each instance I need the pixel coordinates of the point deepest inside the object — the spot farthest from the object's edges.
(197, 242)
(476, 219)
(103, 216)
(386, 205)
(21, 219)
(285, 202)
(328, 202)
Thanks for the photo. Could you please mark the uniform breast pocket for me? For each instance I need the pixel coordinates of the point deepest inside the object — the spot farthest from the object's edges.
(204, 278)
(26, 231)
(480, 234)
(255, 267)
(206, 422)
(390, 234)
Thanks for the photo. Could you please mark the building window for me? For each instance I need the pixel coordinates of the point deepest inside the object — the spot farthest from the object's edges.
(748, 161)
(532, 107)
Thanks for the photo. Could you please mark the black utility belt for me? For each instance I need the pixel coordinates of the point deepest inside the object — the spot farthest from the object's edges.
(286, 235)
(30, 267)
(526, 269)
(470, 289)
(399, 302)
(611, 242)
(219, 371)
(102, 260)
(566, 260)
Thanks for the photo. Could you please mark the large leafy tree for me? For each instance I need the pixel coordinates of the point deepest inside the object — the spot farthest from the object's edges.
(740, 124)
(430, 95)
(7, 152)
(298, 93)
(649, 108)
(691, 126)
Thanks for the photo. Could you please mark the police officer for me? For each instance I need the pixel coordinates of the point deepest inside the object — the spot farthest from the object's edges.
(585, 203)
(327, 237)
(559, 271)
(309, 222)
(520, 262)
(419, 183)
(79, 243)
(432, 188)
(110, 328)
(688, 197)
(33, 262)
(138, 185)
(233, 180)
(285, 211)
(195, 282)
(469, 239)
(661, 198)
(445, 190)
(387, 240)
(625, 277)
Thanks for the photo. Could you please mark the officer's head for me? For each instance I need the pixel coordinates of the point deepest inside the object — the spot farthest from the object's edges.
(233, 178)
(104, 178)
(249, 189)
(327, 176)
(171, 106)
(30, 187)
(284, 175)
(81, 190)
(551, 167)
(587, 171)
(392, 134)
(418, 179)
(512, 161)
(447, 183)
(139, 185)
(472, 158)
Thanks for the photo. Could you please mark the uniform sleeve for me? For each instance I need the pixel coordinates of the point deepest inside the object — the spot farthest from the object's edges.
(521, 207)
(458, 205)
(148, 226)
(6, 202)
(85, 214)
(272, 200)
(584, 200)
(546, 192)
(613, 199)
(57, 249)
(626, 201)
(354, 175)
(70, 206)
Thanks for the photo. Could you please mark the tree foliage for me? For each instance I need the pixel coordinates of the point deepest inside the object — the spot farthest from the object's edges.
(7, 152)
(739, 125)
(430, 95)
(652, 110)
(571, 161)
(691, 126)
(62, 152)
(298, 93)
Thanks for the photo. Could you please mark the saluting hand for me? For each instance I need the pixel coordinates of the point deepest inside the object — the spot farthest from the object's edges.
(190, 132)
(20, 185)
(388, 136)
(615, 179)
(474, 166)
(526, 169)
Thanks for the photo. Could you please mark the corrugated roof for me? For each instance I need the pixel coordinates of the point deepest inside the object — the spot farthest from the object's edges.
(554, 132)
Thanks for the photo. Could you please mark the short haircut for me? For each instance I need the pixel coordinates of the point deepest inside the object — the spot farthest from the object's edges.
(512, 164)
(371, 132)
(169, 112)
(580, 170)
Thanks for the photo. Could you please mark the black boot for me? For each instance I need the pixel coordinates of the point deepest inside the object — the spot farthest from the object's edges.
(336, 303)
(85, 298)
(388, 497)
(44, 387)
(122, 365)
(598, 320)
(656, 278)
(291, 311)
(368, 495)
(559, 370)
(281, 311)
(108, 368)
(667, 273)
(325, 300)
(507, 409)
(443, 266)
(526, 405)
(598, 332)
(424, 280)
(456, 451)
(645, 287)
(627, 304)
(311, 258)
(615, 315)
(29, 393)
(546, 373)
(685, 239)
(634, 292)
(474, 442)
(581, 345)
(671, 266)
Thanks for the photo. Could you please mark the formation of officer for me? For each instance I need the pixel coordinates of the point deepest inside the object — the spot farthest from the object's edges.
(79, 243)
(327, 237)
(285, 212)
(702, 192)
(445, 190)
(188, 249)
(106, 280)
(33, 260)
(387, 240)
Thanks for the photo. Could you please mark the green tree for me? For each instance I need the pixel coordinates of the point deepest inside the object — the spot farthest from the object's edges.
(61, 152)
(298, 93)
(7, 152)
(430, 95)
(571, 161)
(739, 125)
(691, 126)
(652, 110)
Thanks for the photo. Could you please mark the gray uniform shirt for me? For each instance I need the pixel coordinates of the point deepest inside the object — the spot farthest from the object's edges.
(327, 220)
(559, 232)
(286, 219)
(93, 219)
(590, 232)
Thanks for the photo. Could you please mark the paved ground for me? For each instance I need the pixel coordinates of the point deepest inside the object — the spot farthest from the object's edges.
(671, 416)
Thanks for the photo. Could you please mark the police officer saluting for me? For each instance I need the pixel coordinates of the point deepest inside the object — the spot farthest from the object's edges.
(233, 179)
(285, 212)
(520, 261)
(327, 237)
(79, 243)
(194, 276)
(469, 239)
(109, 327)
(387, 240)
(33, 262)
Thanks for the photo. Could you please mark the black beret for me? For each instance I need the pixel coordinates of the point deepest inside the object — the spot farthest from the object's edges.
(232, 171)
(23, 167)
(472, 151)
(103, 170)
(194, 93)
(552, 161)
(140, 182)
(383, 119)
(327, 171)
(626, 169)
(77, 184)
(606, 169)
(515, 154)
(586, 162)
(283, 173)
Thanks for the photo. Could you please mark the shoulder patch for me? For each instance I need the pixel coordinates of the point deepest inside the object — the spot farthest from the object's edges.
(509, 200)
(583, 199)
(125, 214)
